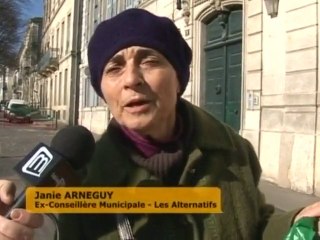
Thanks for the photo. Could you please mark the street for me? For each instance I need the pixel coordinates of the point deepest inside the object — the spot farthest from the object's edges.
(16, 140)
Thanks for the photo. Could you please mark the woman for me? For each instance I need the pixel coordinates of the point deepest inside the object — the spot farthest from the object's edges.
(139, 65)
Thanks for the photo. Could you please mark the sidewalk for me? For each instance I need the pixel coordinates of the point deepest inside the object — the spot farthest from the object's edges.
(285, 199)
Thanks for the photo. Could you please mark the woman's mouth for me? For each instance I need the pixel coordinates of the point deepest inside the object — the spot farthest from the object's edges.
(137, 106)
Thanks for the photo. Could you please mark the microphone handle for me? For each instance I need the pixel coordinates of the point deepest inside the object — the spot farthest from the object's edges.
(19, 202)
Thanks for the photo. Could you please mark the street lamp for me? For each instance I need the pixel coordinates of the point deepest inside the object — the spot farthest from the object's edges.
(179, 5)
(185, 6)
(272, 7)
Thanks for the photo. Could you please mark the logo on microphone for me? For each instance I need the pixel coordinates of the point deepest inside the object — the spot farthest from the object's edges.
(38, 162)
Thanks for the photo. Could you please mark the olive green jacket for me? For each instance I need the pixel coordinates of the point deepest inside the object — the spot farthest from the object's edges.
(216, 156)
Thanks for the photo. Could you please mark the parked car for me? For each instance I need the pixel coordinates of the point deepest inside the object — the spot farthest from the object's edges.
(20, 113)
(9, 104)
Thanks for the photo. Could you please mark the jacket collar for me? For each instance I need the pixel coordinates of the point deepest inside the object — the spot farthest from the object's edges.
(208, 132)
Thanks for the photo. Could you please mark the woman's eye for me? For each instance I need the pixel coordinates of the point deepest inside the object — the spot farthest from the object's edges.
(112, 70)
(150, 61)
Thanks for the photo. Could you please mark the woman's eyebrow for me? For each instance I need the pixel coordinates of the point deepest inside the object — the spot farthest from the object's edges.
(118, 58)
(141, 53)
(146, 52)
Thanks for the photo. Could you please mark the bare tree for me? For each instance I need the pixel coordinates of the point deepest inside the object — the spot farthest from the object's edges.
(11, 27)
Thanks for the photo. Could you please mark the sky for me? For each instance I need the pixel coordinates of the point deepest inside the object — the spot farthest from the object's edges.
(34, 9)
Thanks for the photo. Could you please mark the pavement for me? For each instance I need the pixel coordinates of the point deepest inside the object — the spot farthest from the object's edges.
(285, 199)
(16, 140)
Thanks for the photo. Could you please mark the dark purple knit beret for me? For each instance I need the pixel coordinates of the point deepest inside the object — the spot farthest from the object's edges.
(138, 27)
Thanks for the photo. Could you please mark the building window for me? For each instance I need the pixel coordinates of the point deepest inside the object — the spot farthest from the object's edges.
(55, 84)
(96, 14)
(91, 99)
(65, 95)
(102, 10)
(59, 88)
(112, 8)
(62, 39)
(52, 42)
(58, 38)
(131, 3)
(68, 32)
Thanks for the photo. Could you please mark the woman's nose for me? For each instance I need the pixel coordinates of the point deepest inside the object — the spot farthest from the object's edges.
(133, 76)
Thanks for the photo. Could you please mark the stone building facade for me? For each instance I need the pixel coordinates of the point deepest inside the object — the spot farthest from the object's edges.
(58, 66)
(281, 68)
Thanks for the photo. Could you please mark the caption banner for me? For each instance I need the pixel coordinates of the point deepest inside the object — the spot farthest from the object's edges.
(123, 200)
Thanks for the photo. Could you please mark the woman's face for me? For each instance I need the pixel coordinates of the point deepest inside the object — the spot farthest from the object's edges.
(141, 88)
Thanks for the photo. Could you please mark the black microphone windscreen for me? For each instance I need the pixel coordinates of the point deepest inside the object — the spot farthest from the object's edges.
(71, 148)
(76, 143)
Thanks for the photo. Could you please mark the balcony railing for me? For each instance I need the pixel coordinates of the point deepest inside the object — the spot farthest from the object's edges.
(49, 62)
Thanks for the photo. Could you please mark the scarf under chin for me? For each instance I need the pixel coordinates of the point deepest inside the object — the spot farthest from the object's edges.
(164, 160)
(149, 147)
(164, 165)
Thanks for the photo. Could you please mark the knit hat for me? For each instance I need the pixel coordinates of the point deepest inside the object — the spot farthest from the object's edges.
(138, 27)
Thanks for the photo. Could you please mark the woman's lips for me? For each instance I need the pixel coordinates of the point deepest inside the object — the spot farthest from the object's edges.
(137, 106)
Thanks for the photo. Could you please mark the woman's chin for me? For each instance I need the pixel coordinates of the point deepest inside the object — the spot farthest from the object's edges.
(137, 126)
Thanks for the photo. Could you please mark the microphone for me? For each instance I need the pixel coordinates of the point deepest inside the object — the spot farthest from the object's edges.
(70, 149)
